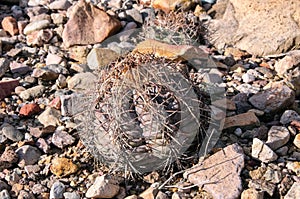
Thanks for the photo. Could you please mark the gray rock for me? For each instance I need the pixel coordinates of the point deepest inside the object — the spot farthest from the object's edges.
(60, 5)
(219, 174)
(135, 15)
(12, 133)
(262, 185)
(4, 66)
(50, 117)
(62, 139)
(294, 192)
(33, 92)
(288, 116)
(262, 152)
(57, 190)
(4, 194)
(28, 155)
(36, 25)
(3, 185)
(276, 98)
(82, 81)
(248, 89)
(99, 57)
(277, 137)
(71, 195)
(103, 188)
(247, 78)
(243, 23)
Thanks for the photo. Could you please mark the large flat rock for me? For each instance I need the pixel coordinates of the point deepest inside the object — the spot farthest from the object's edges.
(259, 27)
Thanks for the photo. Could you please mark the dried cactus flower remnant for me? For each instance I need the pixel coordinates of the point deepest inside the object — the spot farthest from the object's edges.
(145, 115)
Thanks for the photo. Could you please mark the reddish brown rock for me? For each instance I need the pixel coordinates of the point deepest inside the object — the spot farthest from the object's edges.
(245, 120)
(170, 5)
(88, 25)
(29, 109)
(10, 25)
(55, 103)
(6, 87)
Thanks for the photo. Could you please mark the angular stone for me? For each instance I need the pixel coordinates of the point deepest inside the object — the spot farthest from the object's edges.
(169, 5)
(7, 159)
(32, 92)
(62, 139)
(50, 117)
(4, 66)
(294, 166)
(82, 81)
(28, 155)
(10, 25)
(289, 116)
(297, 141)
(7, 87)
(262, 152)
(294, 192)
(20, 68)
(252, 194)
(29, 109)
(99, 57)
(243, 23)
(96, 27)
(277, 137)
(243, 120)
(63, 167)
(262, 185)
(277, 97)
(103, 187)
(283, 66)
(39, 37)
(219, 174)
(60, 5)
(12, 133)
(57, 190)
(36, 25)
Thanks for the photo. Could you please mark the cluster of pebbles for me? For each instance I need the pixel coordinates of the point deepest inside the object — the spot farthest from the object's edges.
(42, 156)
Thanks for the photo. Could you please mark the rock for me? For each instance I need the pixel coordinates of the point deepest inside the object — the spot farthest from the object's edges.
(297, 141)
(50, 117)
(79, 53)
(151, 192)
(32, 170)
(60, 5)
(12, 133)
(10, 25)
(19, 68)
(262, 185)
(63, 167)
(49, 72)
(41, 131)
(103, 187)
(25, 195)
(62, 139)
(33, 92)
(244, 120)
(82, 81)
(55, 103)
(161, 195)
(58, 18)
(294, 166)
(7, 159)
(236, 24)
(292, 59)
(4, 66)
(247, 78)
(4, 194)
(277, 97)
(135, 15)
(7, 87)
(252, 194)
(57, 190)
(71, 195)
(262, 152)
(43, 145)
(88, 31)
(100, 57)
(53, 59)
(294, 191)
(29, 109)
(38, 38)
(230, 162)
(132, 197)
(277, 137)
(289, 116)
(171, 5)
(36, 25)
(28, 155)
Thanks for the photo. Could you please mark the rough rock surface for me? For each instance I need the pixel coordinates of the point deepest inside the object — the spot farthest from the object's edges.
(244, 24)
(226, 184)
(103, 188)
(96, 26)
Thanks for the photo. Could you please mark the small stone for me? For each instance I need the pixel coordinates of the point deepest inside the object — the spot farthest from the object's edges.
(28, 155)
(33, 92)
(282, 151)
(57, 190)
(4, 66)
(161, 195)
(297, 141)
(277, 137)
(32, 170)
(7, 159)
(71, 195)
(288, 116)
(103, 187)
(39, 189)
(29, 109)
(60, 5)
(230, 161)
(151, 192)
(7, 87)
(41, 131)
(4, 194)
(49, 72)
(53, 59)
(62, 139)
(39, 37)
(36, 25)
(135, 15)
(55, 103)
(50, 117)
(252, 194)
(169, 5)
(131, 197)
(10, 25)
(274, 99)
(58, 18)
(25, 195)
(294, 166)
(262, 185)
(294, 192)
(100, 57)
(12, 133)
(262, 152)
(243, 120)
(43, 145)
(63, 167)
(82, 81)
(19, 68)
(247, 78)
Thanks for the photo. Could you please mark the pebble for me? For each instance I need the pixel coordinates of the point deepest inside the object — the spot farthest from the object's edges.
(57, 190)
(252, 194)
(9, 24)
(12, 133)
(50, 117)
(7, 87)
(103, 187)
(62, 139)
(245, 120)
(277, 137)
(36, 25)
(294, 192)
(33, 92)
(29, 109)
(297, 141)
(4, 194)
(62, 167)
(60, 5)
(81, 81)
(28, 155)
(294, 166)
(262, 152)
(71, 195)
(100, 57)
(4, 66)
(289, 116)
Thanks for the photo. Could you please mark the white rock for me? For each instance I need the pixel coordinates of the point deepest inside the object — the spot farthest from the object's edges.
(50, 117)
(36, 25)
(297, 141)
(277, 137)
(103, 188)
(262, 152)
(294, 192)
